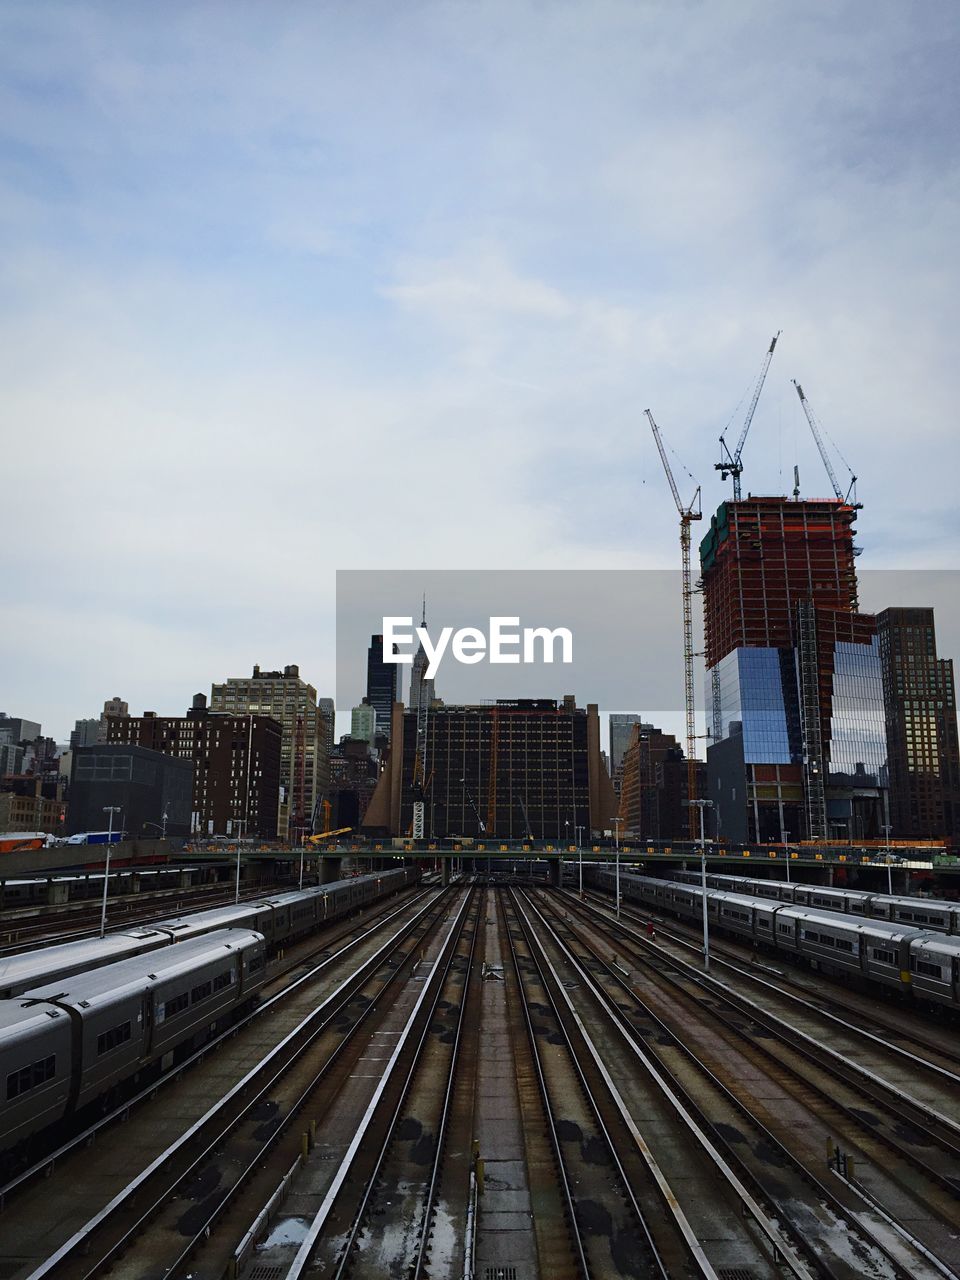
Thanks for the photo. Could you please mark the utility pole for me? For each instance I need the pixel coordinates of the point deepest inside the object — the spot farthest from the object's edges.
(109, 809)
(701, 805)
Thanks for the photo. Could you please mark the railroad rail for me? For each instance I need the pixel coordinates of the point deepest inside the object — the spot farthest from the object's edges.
(125, 1221)
(904, 1251)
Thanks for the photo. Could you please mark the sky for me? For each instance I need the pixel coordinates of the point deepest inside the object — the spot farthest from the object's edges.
(290, 288)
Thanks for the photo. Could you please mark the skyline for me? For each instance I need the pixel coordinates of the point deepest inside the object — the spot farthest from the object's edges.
(370, 290)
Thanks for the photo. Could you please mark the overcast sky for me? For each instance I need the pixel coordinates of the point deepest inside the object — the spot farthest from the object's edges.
(293, 287)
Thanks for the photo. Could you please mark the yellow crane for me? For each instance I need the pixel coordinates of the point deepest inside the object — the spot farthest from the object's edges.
(688, 514)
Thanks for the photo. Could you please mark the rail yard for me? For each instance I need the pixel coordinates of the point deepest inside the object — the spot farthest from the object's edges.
(496, 1078)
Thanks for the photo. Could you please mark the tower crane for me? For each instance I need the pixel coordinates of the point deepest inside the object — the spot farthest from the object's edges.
(688, 514)
(815, 429)
(730, 464)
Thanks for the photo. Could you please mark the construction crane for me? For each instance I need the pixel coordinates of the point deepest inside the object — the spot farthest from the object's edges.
(730, 464)
(688, 514)
(818, 437)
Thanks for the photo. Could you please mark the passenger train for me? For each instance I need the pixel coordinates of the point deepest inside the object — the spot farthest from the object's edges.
(921, 964)
(279, 918)
(930, 913)
(76, 1026)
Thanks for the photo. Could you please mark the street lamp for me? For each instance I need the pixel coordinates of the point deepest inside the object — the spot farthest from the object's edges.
(236, 895)
(701, 805)
(580, 856)
(616, 835)
(886, 854)
(110, 809)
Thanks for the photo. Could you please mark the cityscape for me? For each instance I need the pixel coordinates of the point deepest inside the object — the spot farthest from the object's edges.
(479, 767)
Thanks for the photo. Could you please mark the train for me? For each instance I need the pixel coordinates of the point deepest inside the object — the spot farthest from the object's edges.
(280, 918)
(69, 1044)
(123, 1007)
(930, 913)
(919, 963)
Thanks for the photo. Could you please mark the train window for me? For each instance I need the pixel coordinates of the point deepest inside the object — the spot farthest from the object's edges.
(113, 1038)
(31, 1076)
(762, 924)
(256, 963)
(202, 992)
(884, 956)
(223, 980)
(785, 928)
(176, 1005)
(925, 967)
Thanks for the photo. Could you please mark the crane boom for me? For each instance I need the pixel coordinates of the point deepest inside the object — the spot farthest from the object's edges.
(815, 429)
(687, 514)
(731, 464)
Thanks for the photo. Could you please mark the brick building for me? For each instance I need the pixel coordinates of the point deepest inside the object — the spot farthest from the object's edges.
(235, 761)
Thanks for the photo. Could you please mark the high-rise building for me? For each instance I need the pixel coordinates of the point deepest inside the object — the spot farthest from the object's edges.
(383, 686)
(353, 780)
(86, 733)
(289, 700)
(15, 731)
(653, 791)
(235, 760)
(621, 731)
(363, 724)
(422, 690)
(921, 718)
(794, 689)
(510, 769)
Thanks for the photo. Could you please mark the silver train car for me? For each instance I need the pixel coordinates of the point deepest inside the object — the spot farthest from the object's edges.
(919, 963)
(280, 918)
(66, 1045)
(926, 913)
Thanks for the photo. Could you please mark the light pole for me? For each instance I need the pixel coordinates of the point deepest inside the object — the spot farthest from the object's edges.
(616, 835)
(110, 809)
(886, 854)
(236, 895)
(580, 856)
(786, 852)
(701, 805)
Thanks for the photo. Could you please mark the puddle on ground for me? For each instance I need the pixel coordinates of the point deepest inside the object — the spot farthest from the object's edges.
(286, 1231)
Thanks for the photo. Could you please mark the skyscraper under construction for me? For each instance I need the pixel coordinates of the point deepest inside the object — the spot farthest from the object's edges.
(794, 687)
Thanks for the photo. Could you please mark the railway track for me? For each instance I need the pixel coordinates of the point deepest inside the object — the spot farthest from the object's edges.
(923, 1081)
(377, 1216)
(174, 1208)
(933, 1043)
(59, 1196)
(774, 1094)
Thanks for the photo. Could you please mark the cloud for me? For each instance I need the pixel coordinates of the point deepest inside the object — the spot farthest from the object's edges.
(291, 289)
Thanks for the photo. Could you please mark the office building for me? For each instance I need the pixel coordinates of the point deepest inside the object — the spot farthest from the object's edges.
(353, 779)
(621, 731)
(794, 687)
(654, 785)
(510, 769)
(15, 731)
(149, 788)
(86, 733)
(363, 725)
(921, 721)
(383, 687)
(292, 702)
(11, 758)
(235, 760)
